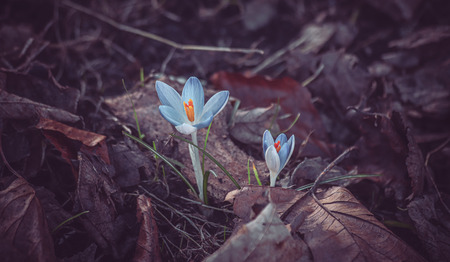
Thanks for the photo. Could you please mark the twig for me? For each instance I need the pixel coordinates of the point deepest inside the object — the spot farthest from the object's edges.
(431, 177)
(273, 58)
(3, 155)
(329, 167)
(157, 38)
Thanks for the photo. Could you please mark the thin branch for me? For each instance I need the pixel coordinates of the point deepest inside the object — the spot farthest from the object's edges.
(329, 167)
(157, 38)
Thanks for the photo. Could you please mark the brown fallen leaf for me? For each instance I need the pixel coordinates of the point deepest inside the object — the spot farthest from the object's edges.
(147, 246)
(66, 139)
(432, 224)
(16, 107)
(249, 125)
(85, 137)
(346, 230)
(259, 91)
(266, 238)
(97, 193)
(339, 229)
(24, 232)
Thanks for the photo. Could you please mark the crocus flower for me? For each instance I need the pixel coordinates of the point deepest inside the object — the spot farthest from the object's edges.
(188, 112)
(277, 153)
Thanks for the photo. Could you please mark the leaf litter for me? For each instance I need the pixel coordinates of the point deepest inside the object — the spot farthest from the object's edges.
(355, 83)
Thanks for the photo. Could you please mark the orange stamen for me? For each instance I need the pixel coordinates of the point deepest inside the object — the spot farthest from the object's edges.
(189, 108)
(277, 146)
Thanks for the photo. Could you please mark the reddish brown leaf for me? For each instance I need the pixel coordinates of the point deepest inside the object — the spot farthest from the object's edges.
(258, 91)
(147, 246)
(85, 137)
(65, 139)
(23, 228)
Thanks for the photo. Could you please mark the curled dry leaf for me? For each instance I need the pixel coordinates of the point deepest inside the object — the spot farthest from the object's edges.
(24, 231)
(16, 107)
(147, 247)
(266, 238)
(85, 137)
(339, 229)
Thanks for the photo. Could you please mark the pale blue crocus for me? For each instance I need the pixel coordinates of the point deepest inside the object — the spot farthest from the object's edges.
(277, 153)
(188, 112)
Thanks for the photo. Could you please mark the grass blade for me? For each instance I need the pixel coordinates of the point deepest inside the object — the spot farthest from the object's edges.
(164, 159)
(304, 187)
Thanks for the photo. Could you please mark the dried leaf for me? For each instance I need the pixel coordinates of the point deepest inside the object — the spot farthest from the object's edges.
(96, 193)
(128, 159)
(85, 137)
(249, 125)
(40, 90)
(350, 227)
(23, 226)
(16, 107)
(432, 226)
(422, 37)
(147, 246)
(264, 239)
(397, 9)
(258, 91)
(349, 233)
(426, 92)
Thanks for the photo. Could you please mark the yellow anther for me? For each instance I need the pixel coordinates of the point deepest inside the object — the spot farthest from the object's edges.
(189, 108)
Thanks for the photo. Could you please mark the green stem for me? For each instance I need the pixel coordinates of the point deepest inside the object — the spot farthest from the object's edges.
(195, 157)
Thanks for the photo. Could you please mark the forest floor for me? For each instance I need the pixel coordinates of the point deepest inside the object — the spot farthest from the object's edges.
(363, 87)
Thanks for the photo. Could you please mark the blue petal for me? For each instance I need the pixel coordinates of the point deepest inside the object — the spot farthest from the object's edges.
(283, 154)
(216, 103)
(186, 129)
(205, 121)
(169, 96)
(267, 140)
(286, 152)
(171, 115)
(282, 138)
(193, 90)
(272, 160)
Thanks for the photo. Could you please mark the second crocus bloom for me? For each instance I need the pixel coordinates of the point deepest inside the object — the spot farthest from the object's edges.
(277, 153)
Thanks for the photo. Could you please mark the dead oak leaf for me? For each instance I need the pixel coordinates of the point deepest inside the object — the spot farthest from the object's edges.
(24, 233)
